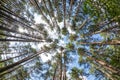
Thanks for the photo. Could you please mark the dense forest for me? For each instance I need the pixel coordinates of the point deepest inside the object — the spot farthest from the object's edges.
(59, 39)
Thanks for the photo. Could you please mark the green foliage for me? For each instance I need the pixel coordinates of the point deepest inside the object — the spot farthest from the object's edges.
(76, 73)
(115, 59)
(1, 65)
(70, 46)
(64, 31)
(101, 17)
(92, 69)
(81, 50)
(73, 37)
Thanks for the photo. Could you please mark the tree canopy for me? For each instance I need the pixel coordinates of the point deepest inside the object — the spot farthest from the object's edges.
(59, 40)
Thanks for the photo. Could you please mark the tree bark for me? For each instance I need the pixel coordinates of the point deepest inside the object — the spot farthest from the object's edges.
(113, 42)
(19, 62)
(54, 75)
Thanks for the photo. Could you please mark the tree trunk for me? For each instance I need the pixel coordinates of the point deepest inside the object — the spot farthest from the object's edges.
(18, 63)
(61, 66)
(113, 42)
(54, 75)
(64, 66)
(104, 30)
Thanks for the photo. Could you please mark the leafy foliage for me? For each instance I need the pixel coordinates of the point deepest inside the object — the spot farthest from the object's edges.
(81, 38)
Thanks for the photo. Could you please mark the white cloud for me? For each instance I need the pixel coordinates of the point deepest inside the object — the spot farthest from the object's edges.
(21, 30)
(45, 57)
(83, 77)
(52, 33)
(39, 1)
(61, 25)
(38, 19)
(71, 31)
(62, 43)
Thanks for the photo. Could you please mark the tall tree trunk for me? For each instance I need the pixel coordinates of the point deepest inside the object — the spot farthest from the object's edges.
(19, 40)
(41, 12)
(102, 24)
(13, 69)
(54, 75)
(108, 75)
(64, 11)
(19, 62)
(104, 30)
(102, 63)
(113, 42)
(64, 66)
(11, 58)
(78, 9)
(70, 8)
(53, 15)
(61, 66)
(25, 34)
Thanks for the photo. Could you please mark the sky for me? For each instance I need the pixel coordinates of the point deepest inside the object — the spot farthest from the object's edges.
(46, 56)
